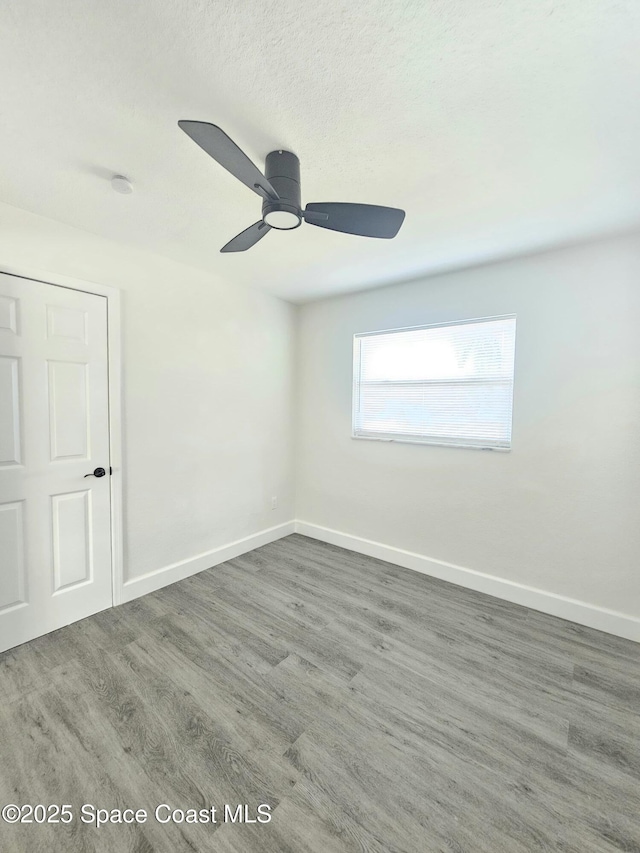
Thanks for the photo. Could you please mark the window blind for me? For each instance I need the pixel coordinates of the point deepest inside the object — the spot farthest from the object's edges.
(442, 384)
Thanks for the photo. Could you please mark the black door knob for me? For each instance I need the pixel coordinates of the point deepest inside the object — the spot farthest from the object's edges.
(97, 472)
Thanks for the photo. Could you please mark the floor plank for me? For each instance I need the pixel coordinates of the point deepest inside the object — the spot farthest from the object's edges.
(372, 708)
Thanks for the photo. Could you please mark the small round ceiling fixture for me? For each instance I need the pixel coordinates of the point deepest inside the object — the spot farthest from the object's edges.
(121, 184)
(283, 220)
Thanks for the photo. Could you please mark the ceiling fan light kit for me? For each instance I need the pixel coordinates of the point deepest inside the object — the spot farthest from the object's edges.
(279, 188)
(282, 170)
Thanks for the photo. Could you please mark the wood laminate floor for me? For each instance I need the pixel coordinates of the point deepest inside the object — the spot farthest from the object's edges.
(372, 708)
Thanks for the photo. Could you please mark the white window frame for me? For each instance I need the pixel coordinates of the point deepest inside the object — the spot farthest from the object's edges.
(435, 441)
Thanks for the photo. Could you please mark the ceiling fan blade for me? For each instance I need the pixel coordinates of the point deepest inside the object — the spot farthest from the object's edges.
(225, 151)
(247, 238)
(367, 220)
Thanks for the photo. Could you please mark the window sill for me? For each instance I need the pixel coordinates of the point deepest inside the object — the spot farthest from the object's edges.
(432, 442)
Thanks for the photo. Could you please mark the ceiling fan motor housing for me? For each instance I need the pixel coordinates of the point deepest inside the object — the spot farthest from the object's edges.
(282, 170)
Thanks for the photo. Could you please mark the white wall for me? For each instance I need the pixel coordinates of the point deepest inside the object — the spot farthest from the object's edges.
(561, 511)
(207, 392)
(208, 416)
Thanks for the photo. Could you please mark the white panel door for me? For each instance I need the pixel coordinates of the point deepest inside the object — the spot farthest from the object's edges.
(55, 526)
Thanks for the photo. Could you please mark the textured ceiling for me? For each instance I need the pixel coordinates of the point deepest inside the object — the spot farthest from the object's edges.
(501, 126)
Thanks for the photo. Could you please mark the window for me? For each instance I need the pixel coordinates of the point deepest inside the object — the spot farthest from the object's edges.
(445, 384)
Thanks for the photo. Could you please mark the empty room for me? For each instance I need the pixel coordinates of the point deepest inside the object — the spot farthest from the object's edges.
(320, 426)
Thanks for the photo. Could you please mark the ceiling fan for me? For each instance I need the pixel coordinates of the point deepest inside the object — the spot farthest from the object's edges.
(279, 188)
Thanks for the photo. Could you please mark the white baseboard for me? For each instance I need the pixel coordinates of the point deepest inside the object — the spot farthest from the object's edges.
(600, 618)
(185, 568)
(610, 621)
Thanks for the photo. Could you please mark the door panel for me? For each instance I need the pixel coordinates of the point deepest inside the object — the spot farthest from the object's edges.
(8, 314)
(12, 539)
(9, 411)
(71, 524)
(68, 415)
(66, 323)
(55, 525)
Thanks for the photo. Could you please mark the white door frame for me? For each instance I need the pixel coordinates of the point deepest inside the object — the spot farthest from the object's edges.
(114, 355)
